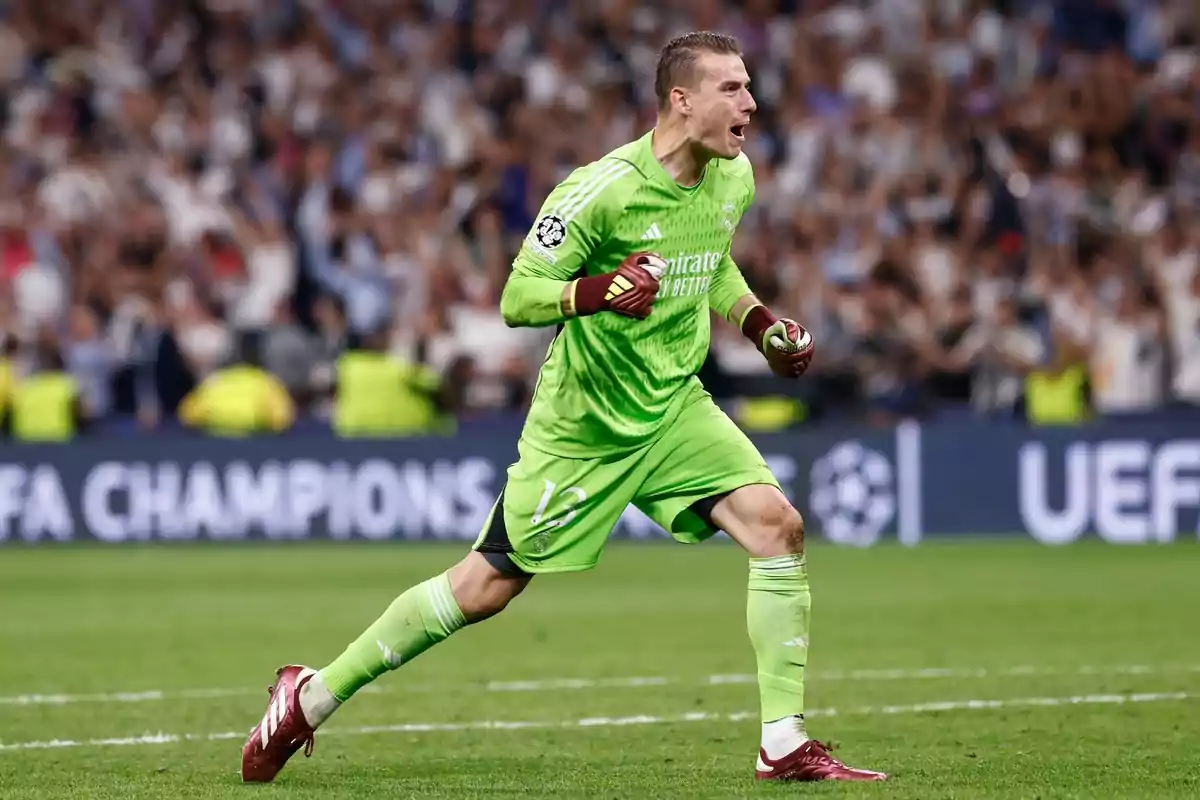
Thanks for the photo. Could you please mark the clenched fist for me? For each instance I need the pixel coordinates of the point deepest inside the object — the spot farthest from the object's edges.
(788, 348)
(629, 290)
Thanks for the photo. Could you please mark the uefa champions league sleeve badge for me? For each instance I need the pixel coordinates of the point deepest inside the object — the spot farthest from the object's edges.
(550, 231)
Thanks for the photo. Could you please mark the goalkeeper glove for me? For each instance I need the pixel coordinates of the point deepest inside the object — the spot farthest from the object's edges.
(787, 346)
(630, 290)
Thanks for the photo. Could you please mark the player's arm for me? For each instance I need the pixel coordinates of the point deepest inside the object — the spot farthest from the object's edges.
(786, 345)
(549, 282)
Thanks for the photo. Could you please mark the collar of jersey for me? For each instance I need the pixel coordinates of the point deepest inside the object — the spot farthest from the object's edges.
(682, 191)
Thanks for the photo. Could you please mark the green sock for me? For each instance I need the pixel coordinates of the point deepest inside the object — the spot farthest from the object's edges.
(777, 611)
(414, 622)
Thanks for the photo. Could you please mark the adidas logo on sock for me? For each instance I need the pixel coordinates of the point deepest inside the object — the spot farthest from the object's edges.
(391, 658)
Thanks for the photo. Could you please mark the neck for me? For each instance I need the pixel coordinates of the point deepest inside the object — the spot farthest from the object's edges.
(676, 153)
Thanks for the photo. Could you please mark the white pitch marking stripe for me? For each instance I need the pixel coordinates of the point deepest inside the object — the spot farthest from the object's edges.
(577, 683)
(569, 684)
(123, 697)
(610, 722)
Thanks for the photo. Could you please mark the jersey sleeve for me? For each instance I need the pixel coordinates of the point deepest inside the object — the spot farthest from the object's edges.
(728, 285)
(575, 220)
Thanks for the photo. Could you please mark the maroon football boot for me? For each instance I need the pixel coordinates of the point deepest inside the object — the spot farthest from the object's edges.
(283, 729)
(810, 762)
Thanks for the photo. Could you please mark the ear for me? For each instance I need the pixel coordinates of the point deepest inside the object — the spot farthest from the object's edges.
(681, 100)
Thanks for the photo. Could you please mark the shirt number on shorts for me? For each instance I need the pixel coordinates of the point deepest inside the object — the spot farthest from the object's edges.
(572, 495)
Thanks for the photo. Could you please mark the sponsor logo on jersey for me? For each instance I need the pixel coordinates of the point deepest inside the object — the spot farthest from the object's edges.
(693, 264)
(689, 274)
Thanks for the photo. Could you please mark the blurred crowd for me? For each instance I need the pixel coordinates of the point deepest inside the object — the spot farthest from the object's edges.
(951, 194)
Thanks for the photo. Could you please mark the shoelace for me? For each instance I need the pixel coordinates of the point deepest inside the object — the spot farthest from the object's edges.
(824, 750)
(310, 740)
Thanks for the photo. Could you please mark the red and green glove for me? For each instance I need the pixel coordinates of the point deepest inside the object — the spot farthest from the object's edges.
(629, 290)
(786, 345)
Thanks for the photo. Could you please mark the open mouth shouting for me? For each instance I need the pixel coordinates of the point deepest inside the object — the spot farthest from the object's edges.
(739, 131)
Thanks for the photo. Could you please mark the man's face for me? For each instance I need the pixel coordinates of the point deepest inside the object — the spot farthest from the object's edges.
(720, 104)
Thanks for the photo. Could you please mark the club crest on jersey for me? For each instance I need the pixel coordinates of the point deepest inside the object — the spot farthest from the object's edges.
(550, 231)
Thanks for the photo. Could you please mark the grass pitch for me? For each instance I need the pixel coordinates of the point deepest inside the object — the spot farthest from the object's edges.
(969, 670)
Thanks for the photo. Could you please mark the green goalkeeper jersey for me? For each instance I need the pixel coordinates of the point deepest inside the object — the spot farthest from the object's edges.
(609, 383)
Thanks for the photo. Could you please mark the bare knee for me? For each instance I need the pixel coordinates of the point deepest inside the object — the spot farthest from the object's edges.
(480, 589)
(762, 521)
(778, 531)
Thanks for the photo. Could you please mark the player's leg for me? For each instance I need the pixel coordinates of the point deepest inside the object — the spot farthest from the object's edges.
(302, 699)
(545, 520)
(778, 603)
(717, 480)
(470, 591)
(558, 512)
(553, 515)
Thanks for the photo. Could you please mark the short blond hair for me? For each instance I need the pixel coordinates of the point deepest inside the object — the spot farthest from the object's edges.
(677, 60)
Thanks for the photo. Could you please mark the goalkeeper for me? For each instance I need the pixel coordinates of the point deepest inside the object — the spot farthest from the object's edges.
(629, 257)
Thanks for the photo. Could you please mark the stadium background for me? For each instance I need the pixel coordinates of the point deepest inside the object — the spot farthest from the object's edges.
(958, 198)
(961, 199)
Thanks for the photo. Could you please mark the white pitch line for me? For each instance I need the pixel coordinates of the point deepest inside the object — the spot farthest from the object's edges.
(610, 722)
(151, 695)
(576, 684)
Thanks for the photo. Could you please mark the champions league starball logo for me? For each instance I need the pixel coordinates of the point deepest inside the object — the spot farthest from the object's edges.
(550, 231)
(853, 494)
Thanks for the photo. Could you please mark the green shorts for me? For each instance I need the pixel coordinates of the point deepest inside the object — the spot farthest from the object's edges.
(555, 514)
